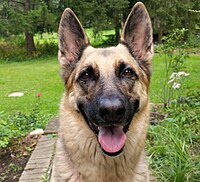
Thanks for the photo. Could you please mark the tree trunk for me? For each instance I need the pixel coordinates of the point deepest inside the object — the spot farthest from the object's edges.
(30, 45)
(160, 34)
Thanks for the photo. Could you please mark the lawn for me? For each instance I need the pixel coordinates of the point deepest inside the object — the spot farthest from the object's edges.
(42, 75)
(31, 77)
(158, 73)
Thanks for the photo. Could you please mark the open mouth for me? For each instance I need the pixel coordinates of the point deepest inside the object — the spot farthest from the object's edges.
(111, 138)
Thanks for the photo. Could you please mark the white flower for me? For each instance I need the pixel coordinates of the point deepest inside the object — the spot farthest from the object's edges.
(170, 81)
(176, 85)
(187, 74)
(182, 73)
(175, 76)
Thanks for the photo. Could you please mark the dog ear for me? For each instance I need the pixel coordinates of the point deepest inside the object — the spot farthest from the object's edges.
(71, 42)
(137, 33)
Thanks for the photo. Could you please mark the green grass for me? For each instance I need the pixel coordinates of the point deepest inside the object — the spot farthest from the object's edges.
(42, 75)
(158, 74)
(173, 145)
(173, 149)
(31, 77)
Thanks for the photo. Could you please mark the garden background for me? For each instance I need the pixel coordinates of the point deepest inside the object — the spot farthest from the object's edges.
(28, 64)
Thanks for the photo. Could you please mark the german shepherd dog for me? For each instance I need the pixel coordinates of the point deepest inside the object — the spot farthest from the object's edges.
(104, 113)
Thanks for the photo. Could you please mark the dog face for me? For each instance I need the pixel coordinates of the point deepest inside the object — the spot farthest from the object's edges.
(107, 86)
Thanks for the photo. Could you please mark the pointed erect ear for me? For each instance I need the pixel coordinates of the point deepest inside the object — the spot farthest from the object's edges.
(137, 33)
(72, 41)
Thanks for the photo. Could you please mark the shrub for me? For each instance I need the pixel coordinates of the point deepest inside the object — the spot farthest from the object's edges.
(20, 124)
(47, 48)
(174, 144)
(175, 58)
(15, 50)
(10, 52)
(193, 40)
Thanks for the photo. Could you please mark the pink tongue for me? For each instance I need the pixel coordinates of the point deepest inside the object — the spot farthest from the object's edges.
(112, 138)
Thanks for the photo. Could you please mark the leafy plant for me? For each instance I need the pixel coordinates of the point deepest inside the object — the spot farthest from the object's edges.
(173, 145)
(175, 57)
(14, 167)
(19, 124)
(175, 85)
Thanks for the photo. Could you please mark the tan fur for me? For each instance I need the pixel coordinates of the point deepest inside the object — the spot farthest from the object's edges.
(78, 156)
(83, 161)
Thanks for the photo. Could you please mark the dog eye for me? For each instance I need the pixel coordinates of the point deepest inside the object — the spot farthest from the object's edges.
(129, 73)
(85, 76)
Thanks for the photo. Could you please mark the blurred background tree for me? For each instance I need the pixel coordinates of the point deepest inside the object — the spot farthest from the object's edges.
(38, 16)
(25, 17)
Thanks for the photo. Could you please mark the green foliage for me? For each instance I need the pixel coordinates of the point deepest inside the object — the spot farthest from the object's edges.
(173, 43)
(175, 58)
(14, 168)
(47, 49)
(19, 115)
(39, 16)
(100, 15)
(158, 74)
(19, 124)
(45, 178)
(10, 52)
(169, 15)
(173, 145)
(46, 44)
(106, 38)
(193, 40)
(25, 16)
(14, 51)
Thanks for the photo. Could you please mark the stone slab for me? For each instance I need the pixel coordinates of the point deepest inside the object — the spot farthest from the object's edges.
(41, 158)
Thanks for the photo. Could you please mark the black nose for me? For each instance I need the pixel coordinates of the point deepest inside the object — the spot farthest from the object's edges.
(111, 109)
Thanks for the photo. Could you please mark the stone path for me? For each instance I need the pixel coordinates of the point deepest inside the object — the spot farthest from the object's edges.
(39, 165)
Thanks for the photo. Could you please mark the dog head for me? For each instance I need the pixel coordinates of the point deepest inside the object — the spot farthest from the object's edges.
(107, 86)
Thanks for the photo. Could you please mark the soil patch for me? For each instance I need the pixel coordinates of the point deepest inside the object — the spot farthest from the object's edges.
(13, 158)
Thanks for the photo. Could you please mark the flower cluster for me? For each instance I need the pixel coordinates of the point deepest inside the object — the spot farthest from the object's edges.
(177, 76)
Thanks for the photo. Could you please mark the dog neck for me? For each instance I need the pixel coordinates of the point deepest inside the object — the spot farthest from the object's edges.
(100, 169)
